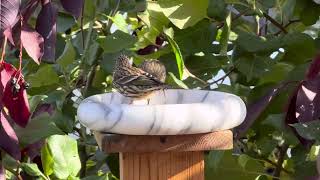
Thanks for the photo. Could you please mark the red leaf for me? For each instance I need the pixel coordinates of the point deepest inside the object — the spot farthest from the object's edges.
(32, 43)
(17, 104)
(46, 26)
(6, 72)
(73, 6)
(8, 12)
(8, 138)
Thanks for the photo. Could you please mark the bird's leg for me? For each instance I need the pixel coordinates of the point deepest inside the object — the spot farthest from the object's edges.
(148, 100)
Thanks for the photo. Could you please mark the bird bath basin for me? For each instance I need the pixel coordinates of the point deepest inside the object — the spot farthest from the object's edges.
(165, 112)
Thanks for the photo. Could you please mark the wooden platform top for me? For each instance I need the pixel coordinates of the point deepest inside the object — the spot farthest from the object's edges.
(219, 140)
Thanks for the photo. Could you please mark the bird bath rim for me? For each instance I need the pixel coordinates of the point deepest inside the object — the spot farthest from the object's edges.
(169, 112)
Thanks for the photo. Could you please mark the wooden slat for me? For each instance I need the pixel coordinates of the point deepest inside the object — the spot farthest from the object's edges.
(219, 140)
(162, 166)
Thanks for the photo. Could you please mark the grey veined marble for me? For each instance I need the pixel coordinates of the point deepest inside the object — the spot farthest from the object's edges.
(167, 112)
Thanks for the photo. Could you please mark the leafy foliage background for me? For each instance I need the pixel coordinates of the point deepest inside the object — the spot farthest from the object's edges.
(265, 51)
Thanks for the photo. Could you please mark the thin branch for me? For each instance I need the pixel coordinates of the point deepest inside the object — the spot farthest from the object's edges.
(222, 78)
(221, 24)
(258, 157)
(274, 22)
(275, 164)
(3, 49)
(289, 23)
(81, 24)
(283, 150)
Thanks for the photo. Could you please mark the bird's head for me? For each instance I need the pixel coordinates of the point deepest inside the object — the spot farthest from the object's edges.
(123, 61)
(154, 67)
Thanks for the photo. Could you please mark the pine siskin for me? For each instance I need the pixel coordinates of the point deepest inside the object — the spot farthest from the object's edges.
(155, 68)
(134, 82)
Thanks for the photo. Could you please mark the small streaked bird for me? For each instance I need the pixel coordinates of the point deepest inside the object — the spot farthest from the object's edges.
(135, 82)
(155, 68)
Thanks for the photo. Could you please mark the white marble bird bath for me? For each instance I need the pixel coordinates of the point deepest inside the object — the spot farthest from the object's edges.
(167, 112)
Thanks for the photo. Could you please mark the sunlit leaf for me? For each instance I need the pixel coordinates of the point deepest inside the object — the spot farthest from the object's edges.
(184, 13)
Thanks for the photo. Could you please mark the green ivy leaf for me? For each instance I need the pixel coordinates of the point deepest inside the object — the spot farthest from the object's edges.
(225, 35)
(252, 43)
(309, 130)
(242, 160)
(64, 22)
(155, 20)
(277, 73)
(35, 100)
(205, 66)
(214, 158)
(32, 169)
(38, 128)
(299, 48)
(116, 42)
(217, 9)
(253, 67)
(60, 156)
(177, 81)
(176, 51)
(120, 22)
(197, 38)
(68, 56)
(310, 14)
(46, 160)
(184, 13)
(45, 76)
(93, 53)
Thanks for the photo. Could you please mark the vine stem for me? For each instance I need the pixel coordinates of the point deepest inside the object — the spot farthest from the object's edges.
(283, 150)
(220, 25)
(222, 78)
(289, 23)
(274, 22)
(4, 49)
(81, 23)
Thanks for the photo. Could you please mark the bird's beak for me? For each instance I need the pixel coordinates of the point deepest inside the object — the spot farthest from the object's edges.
(131, 61)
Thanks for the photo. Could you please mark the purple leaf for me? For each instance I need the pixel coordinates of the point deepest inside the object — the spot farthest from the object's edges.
(29, 9)
(8, 12)
(46, 26)
(73, 6)
(8, 138)
(41, 108)
(255, 109)
(33, 150)
(308, 100)
(32, 43)
(291, 117)
(305, 101)
(314, 68)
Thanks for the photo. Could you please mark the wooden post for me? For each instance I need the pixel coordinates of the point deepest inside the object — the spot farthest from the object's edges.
(176, 157)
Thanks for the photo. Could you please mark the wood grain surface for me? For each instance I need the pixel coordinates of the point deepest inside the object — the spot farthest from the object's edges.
(162, 166)
(219, 140)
